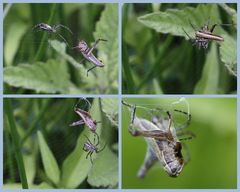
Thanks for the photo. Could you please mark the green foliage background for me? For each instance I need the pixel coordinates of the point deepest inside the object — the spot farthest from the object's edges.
(213, 152)
(37, 62)
(158, 57)
(52, 150)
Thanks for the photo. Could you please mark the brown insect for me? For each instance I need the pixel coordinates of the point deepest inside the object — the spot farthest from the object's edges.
(162, 141)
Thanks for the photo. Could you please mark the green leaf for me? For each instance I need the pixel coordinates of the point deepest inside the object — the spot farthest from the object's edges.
(110, 108)
(232, 12)
(104, 172)
(107, 77)
(208, 84)
(228, 54)
(60, 48)
(173, 21)
(49, 162)
(13, 39)
(49, 77)
(76, 167)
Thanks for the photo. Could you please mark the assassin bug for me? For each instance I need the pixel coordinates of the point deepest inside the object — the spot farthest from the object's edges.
(87, 53)
(86, 118)
(51, 30)
(163, 144)
(90, 147)
(204, 35)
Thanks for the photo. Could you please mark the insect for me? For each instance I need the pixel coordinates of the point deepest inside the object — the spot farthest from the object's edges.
(204, 35)
(163, 144)
(51, 30)
(87, 53)
(86, 118)
(90, 147)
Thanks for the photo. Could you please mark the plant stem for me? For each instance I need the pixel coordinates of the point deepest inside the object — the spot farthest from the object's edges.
(17, 147)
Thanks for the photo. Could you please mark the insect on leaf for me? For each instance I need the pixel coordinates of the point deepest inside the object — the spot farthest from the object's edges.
(76, 167)
(173, 20)
(60, 48)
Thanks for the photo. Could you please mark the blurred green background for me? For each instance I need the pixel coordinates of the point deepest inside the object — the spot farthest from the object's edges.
(158, 57)
(38, 62)
(213, 152)
(40, 121)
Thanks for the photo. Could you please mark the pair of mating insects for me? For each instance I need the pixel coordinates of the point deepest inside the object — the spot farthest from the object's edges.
(162, 140)
(86, 119)
(82, 45)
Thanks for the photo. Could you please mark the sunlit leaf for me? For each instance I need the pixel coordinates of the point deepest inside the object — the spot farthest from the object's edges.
(173, 21)
(49, 77)
(104, 172)
(49, 162)
(13, 39)
(107, 77)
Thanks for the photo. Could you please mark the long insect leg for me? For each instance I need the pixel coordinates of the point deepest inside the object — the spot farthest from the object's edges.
(63, 38)
(91, 157)
(102, 148)
(88, 139)
(170, 121)
(188, 135)
(188, 121)
(192, 25)
(95, 134)
(80, 122)
(57, 26)
(94, 45)
(91, 69)
(187, 34)
(88, 154)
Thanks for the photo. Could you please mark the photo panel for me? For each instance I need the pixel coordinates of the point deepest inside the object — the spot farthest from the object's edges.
(59, 143)
(179, 48)
(60, 48)
(179, 143)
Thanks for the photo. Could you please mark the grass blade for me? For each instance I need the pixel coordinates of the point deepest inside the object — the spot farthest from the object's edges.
(16, 141)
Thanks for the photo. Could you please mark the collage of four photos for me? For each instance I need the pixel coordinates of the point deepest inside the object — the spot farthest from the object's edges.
(119, 96)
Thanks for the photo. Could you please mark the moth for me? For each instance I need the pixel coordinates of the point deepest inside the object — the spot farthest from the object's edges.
(162, 141)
